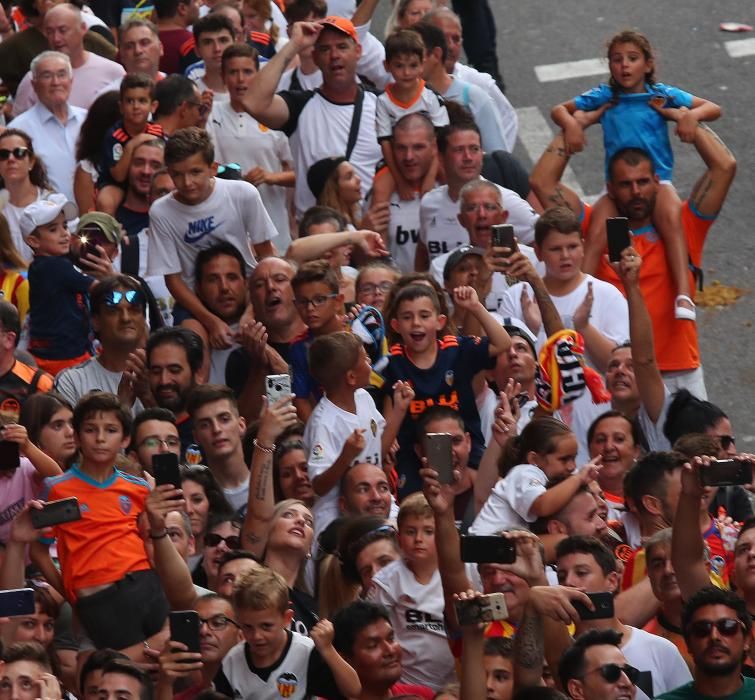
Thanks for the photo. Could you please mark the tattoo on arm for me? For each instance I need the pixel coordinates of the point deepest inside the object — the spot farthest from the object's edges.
(529, 647)
(264, 474)
(558, 199)
(560, 151)
(700, 191)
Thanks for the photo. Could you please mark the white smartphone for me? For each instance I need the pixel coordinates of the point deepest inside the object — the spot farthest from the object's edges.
(277, 386)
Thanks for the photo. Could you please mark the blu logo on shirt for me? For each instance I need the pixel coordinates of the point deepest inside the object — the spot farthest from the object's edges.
(200, 228)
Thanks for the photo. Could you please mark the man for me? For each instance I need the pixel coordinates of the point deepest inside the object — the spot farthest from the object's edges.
(440, 227)
(174, 17)
(140, 49)
(221, 286)
(218, 429)
(26, 667)
(153, 432)
(320, 123)
(595, 669)
(212, 35)
(718, 631)
(633, 187)
(124, 679)
(365, 490)
(18, 381)
(53, 123)
(365, 638)
(179, 104)
(173, 360)
(65, 30)
(578, 517)
(117, 307)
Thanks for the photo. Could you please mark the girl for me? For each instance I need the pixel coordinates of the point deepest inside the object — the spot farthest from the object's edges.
(48, 418)
(543, 455)
(14, 287)
(407, 13)
(262, 33)
(634, 120)
(374, 282)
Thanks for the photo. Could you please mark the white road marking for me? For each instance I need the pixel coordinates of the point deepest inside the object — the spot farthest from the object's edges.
(739, 48)
(572, 69)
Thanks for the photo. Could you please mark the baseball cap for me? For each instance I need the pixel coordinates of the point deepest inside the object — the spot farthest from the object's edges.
(43, 211)
(319, 173)
(515, 326)
(458, 255)
(341, 24)
(106, 223)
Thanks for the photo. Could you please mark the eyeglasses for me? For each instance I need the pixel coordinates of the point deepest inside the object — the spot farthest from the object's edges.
(384, 287)
(153, 442)
(217, 623)
(201, 106)
(314, 302)
(212, 539)
(611, 673)
(19, 153)
(132, 296)
(726, 626)
(726, 440)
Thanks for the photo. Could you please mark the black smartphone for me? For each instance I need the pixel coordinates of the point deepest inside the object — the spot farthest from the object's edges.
(90, 238)
(617, 232)
(10, 457)
(17, 601)
(603, 603)
(503, 237)
(726, 472)
(165, 469)
(487, 549)
(184, 628)
(66, 510)
(440, 456)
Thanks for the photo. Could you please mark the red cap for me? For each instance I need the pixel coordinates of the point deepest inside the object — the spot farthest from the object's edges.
(341, 24)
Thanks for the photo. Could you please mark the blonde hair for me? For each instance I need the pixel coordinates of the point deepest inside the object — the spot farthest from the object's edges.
(335, 591)
(415, 505)
(331, 197)
(260, 589)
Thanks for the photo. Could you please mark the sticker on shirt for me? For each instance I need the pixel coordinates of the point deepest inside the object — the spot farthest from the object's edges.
(286, 684)
(317, 451)
(117, 152)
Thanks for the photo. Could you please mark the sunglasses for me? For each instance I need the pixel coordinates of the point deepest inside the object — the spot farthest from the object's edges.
(132, 296)
(726, 627)
(611, 673)
(726, 440)
(212, 539)
(19, 153)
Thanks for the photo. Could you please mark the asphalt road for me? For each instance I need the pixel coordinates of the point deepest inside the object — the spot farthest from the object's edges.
(691, 53)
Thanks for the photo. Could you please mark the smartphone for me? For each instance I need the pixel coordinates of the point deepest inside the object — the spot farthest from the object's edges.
(503, 237)
(277, 386)
(603, 603)
(10, 459)
(440, 456)
(726, 472)
(165, 469)
(184, 628)
(487, 549)
(66, 510)
(18, 601)
(617, 232)
(90, 238)
(484, 608)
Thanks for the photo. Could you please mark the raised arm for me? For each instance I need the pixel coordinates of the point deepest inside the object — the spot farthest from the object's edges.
(521, 267)
(314, 247)
(545, 178)
(709, 193)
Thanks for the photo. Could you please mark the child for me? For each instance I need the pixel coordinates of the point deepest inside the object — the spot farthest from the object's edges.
(274, 662)
(404, 60)
(262, 33)
(133, 129)
(305, 76)
(439, 369)
(103, 563)
(632, 121)
(58, 304)
(345, 428)
(411, 590)
(212, 35)
(544, 453)
(320, 305)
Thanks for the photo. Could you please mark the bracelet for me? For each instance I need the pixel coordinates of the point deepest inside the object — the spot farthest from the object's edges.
(164, 533)
(263, 448)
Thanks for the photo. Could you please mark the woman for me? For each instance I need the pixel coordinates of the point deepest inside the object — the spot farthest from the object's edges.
(24, 178)
(290, 472)
(14, 286)
(407, 13)
(48, 418)
(374, 283)
(335, 183)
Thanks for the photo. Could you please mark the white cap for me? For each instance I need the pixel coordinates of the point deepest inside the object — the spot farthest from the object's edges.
(43, 211)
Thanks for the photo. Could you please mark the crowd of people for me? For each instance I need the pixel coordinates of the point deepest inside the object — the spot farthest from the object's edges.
(322, 393)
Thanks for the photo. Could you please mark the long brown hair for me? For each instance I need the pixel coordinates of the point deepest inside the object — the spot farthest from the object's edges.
(38, 172)
(630, 36)
(331, 197)
(9, 255)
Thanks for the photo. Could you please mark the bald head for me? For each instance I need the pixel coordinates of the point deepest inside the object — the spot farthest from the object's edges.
(64, 29)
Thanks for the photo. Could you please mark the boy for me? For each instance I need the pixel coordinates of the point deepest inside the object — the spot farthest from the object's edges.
(201, 212)
(320, 305)
(59, 327)
(440, 369)
(103, 563)
(411, 590)
(133, 129)
(345, 428)
(404, 60)
(306, 76)
(274, 662)
(212, 35)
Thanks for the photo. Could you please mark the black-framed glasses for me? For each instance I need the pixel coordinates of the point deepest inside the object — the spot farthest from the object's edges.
(611, 673)
(726, 627)
(212, 539)
(133, 297)
(19, 153)
(727, 441)
(153, 442)
(315, 302)
(217, 623)
(370, 288)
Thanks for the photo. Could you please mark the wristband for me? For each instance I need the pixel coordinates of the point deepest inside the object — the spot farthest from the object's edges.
(263, 448)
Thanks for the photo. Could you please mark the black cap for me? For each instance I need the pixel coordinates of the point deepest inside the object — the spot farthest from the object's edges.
(458, 255)
(319, 173)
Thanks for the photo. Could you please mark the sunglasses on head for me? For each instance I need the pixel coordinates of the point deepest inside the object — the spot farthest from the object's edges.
(212, 539)
(18, 153)
(611, 673)
(726, 627)
(132, 296)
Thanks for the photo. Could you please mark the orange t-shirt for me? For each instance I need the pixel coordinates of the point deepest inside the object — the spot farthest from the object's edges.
(105, 544)
(676, 347)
